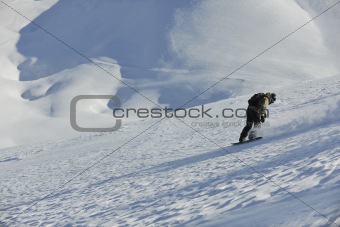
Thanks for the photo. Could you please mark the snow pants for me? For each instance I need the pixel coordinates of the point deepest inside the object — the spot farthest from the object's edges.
(253, 119)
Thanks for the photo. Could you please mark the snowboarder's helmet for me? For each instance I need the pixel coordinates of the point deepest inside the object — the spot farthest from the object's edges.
(273, 96)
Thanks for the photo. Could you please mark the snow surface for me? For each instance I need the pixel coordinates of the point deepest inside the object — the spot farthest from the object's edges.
(168, 172)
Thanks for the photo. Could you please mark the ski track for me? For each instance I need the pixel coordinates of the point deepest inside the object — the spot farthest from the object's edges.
(182, 178)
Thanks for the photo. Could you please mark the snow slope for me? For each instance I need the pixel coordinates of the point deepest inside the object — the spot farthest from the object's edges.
(169, 172)
(168, 51)
(177, 173)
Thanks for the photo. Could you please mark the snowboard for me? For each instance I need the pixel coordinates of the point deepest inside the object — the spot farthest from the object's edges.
(247, 141)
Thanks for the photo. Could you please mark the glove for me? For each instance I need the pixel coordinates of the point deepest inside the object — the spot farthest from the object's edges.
(262, 119)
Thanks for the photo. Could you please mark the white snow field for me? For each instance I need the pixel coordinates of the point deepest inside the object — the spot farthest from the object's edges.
(169, 171)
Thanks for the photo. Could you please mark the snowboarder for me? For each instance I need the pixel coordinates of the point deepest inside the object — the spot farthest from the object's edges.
(256, 113)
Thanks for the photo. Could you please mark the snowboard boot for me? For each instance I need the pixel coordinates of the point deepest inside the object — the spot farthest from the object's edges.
(242, 139)
(252, 135)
